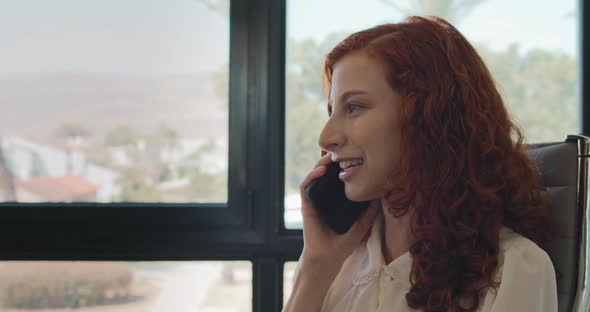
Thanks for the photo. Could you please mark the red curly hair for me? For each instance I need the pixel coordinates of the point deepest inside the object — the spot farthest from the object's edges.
(463, 157)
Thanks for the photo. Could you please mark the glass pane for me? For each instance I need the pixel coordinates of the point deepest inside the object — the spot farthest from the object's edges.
(126, 286)
(288, 272)
(110, 101)
(533, 62)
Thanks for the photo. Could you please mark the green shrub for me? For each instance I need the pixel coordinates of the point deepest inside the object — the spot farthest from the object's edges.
(33, 285)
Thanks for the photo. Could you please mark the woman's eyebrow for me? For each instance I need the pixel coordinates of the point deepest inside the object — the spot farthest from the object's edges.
(344, 97)
(350, 93)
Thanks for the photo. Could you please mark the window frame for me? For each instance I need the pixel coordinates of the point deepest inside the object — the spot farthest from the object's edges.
(100, 231)
(251, 226)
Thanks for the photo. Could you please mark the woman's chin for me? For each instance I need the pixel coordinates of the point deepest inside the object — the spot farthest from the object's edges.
(356, 196)
(360, 195)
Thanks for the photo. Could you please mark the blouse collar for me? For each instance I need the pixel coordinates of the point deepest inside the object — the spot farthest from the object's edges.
(399, 269)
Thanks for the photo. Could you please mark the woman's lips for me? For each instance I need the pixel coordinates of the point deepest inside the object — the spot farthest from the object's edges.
(347, 174)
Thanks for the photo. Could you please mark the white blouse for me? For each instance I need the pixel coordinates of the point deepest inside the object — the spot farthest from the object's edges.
(365, 283)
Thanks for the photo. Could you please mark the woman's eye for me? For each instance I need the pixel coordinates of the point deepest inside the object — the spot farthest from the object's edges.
(353, 107)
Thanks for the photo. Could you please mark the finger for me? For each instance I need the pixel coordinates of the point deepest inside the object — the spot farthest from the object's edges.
(376, 203)
(366, 237)
(314, 174)
(306, 205)
(325, 160)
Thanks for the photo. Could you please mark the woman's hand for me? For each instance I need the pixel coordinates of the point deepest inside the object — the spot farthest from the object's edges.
(324, 248)
(324, 251)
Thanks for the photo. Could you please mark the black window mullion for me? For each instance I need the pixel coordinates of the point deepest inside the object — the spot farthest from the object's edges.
(267, 284)
(240, 104)
(288, 243)
(267, 91)
(584, 42)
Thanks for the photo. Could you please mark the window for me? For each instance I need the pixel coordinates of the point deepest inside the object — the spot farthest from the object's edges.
(289, 271)
(535, 65)
(124, 104)
(115, 147)
(244, 48)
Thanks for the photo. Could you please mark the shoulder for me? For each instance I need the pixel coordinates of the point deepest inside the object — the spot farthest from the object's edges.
(525, 275)
(519, 251)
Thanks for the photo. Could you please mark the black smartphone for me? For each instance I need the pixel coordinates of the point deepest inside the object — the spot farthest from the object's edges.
(329, 199)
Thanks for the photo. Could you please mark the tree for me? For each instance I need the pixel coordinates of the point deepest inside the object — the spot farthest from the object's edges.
(219, 6)
(204, 186)
(7, 185)
(538, 86)
(539, 90)
(164, 137)
(121, 135)
(221, 86)
(305, 105)
(71, 130)
(451, 10)
(135, 188)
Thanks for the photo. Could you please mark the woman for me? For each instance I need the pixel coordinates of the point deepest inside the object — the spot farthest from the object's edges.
(457, 214)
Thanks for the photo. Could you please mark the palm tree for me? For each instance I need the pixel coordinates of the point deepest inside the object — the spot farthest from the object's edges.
(6, 179)
(219, 6)
(452, 10)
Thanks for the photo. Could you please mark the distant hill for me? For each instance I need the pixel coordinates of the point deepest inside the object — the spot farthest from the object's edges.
(36, 105)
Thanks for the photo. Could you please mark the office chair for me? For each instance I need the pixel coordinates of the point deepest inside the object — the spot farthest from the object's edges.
(564, 172)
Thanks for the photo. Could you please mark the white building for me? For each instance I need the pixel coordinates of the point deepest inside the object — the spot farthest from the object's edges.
(29, 158)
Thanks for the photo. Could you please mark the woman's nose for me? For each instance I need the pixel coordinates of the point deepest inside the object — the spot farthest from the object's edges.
(331, 138)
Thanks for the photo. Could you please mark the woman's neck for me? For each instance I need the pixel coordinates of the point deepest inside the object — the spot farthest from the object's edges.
(395, 239)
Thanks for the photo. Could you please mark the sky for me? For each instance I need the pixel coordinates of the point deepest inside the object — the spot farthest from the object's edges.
(138, 37)
(497, 23)
(158, 37)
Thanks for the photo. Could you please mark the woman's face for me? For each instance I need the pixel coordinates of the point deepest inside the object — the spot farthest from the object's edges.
(363, 125)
